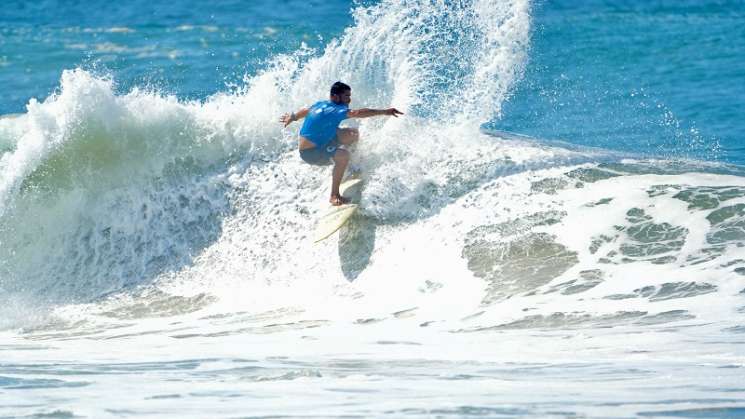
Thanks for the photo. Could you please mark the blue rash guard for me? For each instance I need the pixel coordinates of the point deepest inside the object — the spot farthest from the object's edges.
(322, 121)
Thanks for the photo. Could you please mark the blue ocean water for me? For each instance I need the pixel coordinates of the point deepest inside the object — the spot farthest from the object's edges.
(191, 49)
(658, 77)
(555, 227)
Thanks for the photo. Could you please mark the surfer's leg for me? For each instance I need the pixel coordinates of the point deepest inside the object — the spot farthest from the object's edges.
(347, 136)
(341, 159)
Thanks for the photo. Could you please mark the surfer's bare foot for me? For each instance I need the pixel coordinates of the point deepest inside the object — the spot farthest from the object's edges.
(337, 200)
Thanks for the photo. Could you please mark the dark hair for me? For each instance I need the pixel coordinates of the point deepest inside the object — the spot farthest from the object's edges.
(339, 88)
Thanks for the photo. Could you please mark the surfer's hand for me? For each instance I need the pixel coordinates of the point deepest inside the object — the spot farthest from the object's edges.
(393, 112)
(287, 119)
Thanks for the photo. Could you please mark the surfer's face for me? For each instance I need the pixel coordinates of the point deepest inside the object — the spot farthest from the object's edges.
(343, 97)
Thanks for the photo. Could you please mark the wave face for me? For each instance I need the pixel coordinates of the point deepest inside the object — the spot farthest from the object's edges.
(102, 191)
(107, 194)
(170, 240)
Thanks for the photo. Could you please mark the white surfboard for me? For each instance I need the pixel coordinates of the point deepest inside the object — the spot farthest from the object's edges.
(333, 219)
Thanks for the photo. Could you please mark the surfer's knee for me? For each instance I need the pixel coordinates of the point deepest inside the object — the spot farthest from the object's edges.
(348, 135)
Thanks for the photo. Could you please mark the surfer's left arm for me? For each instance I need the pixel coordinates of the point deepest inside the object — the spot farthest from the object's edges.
(366, 113)
(289, 118)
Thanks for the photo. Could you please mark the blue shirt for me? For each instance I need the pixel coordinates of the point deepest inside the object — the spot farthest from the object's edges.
(322, 121)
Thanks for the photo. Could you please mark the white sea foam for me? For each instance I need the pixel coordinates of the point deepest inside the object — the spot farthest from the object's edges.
(152, 190)
(180, 231)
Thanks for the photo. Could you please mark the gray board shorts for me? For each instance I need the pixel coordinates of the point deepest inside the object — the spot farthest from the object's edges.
(320, 156)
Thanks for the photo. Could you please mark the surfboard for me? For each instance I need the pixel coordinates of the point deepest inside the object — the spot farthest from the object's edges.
(335, 217)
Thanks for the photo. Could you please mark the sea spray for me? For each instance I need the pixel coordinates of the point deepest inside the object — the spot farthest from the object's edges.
(156, 256)
(124, 188)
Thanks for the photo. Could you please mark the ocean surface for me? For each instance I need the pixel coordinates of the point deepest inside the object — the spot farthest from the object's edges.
(555, 227)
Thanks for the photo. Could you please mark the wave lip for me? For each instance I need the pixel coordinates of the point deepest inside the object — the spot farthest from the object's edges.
(100, 191)
(444, 63)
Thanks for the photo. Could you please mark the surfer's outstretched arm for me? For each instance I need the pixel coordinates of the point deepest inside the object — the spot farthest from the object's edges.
(289, 118)
(366, 113)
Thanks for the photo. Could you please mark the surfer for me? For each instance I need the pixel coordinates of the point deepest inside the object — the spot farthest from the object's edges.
(320, 136)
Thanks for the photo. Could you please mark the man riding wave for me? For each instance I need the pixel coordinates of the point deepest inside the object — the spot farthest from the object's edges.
(320, 136)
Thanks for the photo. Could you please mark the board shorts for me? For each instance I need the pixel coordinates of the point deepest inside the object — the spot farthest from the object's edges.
(322, 156)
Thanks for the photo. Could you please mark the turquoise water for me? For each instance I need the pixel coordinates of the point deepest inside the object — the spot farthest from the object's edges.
(555, 227)
(658, 77)
(191, 49)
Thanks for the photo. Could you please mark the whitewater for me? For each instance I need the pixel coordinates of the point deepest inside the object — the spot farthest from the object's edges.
(156, 254)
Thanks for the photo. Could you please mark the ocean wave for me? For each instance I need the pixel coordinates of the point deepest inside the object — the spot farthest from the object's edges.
(108, 196)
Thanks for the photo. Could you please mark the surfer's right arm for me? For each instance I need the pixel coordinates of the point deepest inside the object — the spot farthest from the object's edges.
(289, 118)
